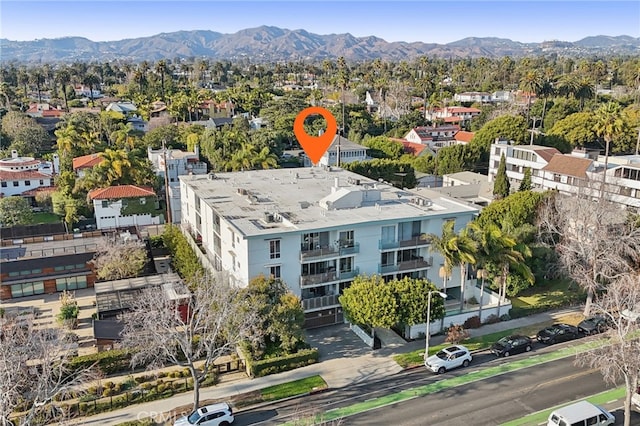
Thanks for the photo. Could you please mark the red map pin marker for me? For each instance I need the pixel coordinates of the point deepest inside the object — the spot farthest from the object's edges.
(315, 146)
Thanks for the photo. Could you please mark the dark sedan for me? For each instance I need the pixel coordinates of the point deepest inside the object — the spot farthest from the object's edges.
(593, 325)
(558, 333)
(512, 345)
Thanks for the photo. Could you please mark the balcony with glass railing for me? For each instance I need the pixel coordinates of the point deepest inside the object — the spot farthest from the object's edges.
(349, 248)
(318, 253)
(408, 265)
(418, 241)
(324, 277)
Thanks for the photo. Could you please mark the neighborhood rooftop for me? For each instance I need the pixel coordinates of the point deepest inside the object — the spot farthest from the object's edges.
(307, 198)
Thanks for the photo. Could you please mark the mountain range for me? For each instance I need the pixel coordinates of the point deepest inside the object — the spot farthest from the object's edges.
(268, 43)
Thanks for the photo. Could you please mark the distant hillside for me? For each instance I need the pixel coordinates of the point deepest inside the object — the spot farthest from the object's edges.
(273, 43)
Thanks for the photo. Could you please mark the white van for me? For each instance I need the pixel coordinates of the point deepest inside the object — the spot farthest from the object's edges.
(581, 413)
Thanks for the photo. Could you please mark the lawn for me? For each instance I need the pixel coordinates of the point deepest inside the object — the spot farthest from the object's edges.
(553, 294)
(297, 387)
(416, 358)
(45, 217)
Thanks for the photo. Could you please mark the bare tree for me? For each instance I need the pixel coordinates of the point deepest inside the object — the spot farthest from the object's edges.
(116, 258)
(618, 357)
(35, 370)
(218, 316)
(595, 243)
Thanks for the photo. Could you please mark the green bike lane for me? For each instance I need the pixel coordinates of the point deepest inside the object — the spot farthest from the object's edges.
(474, 376)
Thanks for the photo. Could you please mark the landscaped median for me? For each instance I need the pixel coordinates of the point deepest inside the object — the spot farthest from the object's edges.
(454, 381)
(542, 416)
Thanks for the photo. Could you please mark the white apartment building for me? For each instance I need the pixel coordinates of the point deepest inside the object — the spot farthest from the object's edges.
(24, 175)
(178, 163)
(578, 173)
(317, 229)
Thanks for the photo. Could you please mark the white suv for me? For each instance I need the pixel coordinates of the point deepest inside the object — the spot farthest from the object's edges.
(448, 358)
(209, 415)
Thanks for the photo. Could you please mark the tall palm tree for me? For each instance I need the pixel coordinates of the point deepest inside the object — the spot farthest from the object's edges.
(116, 165)
(608, 124)
(161, 69)
(37, 78)
(63, 77)
(584, 90)
(441, 244)
(531, 83)
(265, 159)
(465, 255)
(91, 80)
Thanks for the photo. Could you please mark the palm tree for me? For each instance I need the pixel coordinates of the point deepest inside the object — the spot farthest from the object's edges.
(91, 80)
(531, 83)
(465, 254)
(441, 244)
(546, 89)
(116, 165)
(266, 159)
(608, 124)
(63, 77)
(161, 69)
(37, 78)
(584, 90)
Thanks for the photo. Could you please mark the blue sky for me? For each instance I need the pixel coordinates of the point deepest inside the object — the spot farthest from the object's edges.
(427, 21)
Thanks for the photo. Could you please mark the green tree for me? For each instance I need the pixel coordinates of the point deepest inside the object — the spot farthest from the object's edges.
(501, 185)
(511, 127)
(117, 260)
(371, 302)
(383, 147)
(531, 83)
(281, 314)
(525, 185)
(183, 259)
(445, 245)
(411, 295)
(15, 211)
(577, 129)
(519, 207)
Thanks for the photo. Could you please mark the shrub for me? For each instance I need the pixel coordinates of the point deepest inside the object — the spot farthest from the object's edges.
(284, 363)
(456, 334)
(107, 392)
(117, 388)
(492, 319)
(109, 385)
(109, 362)
(92, 390)
(472, 322)
(472, 300)
(161, 387)
(140, 379)
(505, 317)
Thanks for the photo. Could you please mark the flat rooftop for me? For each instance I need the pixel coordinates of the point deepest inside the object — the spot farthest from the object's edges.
(262, 202)
(49, 248)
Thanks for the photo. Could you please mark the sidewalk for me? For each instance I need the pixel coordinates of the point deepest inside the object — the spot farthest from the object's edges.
(345, 360)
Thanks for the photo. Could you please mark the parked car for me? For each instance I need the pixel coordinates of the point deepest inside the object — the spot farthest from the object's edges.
(558, 333)
(449, 358)
(510, 345)
(635, 399)
(593, 325)
(209, 415)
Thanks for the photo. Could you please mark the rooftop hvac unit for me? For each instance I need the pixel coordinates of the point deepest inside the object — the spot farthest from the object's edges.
(268, 217)
(242, 191)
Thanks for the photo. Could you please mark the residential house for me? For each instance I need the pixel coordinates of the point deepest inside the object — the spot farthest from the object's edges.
(480, 97)
(215, 122)
(46, 263)
(125, 108)
(453, 114)
(176, 163)
(578, 173)
(317, 229)
(501, 96)
(349, 152)
(462, 137)
(435, 137)
(125, 205)
(137, 123)
(83, 165)
(467, 186)
(37, 110)
(22, 175)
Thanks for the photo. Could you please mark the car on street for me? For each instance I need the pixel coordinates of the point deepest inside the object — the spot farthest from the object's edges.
(593, 325)
(582, 413)
(510, 345)
(449, 358)
(209, 415)
(558, 333)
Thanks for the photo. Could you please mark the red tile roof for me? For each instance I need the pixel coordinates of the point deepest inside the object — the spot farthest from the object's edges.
(568, 165)
(547, 153)
(121, 191)
(452, 119)
(413, 148)
(25, 174)
(33, 192)
(86, 161)
(463, 136)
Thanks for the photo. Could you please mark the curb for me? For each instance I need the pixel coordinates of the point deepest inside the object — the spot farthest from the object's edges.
(289, 398)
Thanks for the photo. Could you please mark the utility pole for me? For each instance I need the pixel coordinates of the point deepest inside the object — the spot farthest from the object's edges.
(638, 142)
(533, 129)
(166, 183)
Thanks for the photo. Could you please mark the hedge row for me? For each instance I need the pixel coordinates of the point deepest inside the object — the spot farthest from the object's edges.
(109, 362)
(283, 363)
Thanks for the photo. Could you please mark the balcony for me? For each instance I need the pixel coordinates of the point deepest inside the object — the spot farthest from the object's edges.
(320, 302)
(351, 248)
(306, 280)
(419, 263)
(411, 242)
(319, 252)
(349, 275)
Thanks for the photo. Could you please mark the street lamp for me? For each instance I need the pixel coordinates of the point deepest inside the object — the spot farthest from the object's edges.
(428, 330)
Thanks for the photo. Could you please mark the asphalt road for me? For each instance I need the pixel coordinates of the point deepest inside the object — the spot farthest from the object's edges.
(494, 400)
(487, 402)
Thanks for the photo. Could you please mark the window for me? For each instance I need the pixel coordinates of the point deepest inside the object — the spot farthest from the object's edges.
(388, 234)
(143, 201)
(386, 259)
(274, 249)
(274, 271)
(592, 421)
(346, 239)
(15, 183)
(27, 289)
(27, 183)
(346, 264)
(4, 184)
(105, 204)
(41, 182)
(71, 283)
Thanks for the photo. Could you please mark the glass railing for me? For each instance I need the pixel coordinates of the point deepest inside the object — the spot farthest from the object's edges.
(318, 278)
(320, 302)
